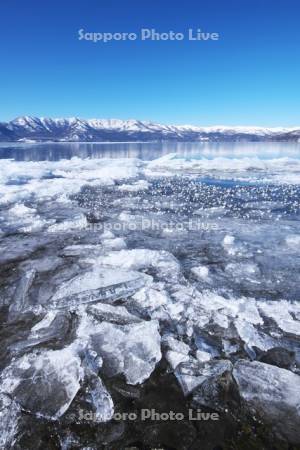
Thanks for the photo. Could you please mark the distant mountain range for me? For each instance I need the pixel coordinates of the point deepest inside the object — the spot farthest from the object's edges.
(27, 129)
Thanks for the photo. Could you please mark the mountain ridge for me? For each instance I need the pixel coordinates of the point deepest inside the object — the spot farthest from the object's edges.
(74, 129)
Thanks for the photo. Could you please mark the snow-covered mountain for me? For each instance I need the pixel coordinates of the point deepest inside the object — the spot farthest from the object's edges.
(75, 129)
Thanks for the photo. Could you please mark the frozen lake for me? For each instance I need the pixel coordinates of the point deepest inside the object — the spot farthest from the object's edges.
(167, 262)
(148, 151)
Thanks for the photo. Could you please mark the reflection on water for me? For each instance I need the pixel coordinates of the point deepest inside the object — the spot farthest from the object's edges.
(148, 151)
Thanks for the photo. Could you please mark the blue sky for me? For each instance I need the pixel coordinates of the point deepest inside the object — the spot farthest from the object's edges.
(251, 76)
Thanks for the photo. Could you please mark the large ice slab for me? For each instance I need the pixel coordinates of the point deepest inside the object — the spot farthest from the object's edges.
(100, 284)
(44, 383)
(272, 394)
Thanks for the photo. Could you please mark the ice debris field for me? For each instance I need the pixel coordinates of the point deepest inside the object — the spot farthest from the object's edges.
(114, 270)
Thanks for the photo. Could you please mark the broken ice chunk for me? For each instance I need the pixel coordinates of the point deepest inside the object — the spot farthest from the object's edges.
(293, 242)
(9, 417)
(113, 314)
(279, 312)
(219, 319)
(139, 185)
(218, 390)
(247, 310)
(97, 285)
(228, 240)
(78, 222)
(55, 327)
(203, 356)
(151, 298)
(176, 345)
(252, 337)
(177, 351)
(200, 272)
(175, 358)
(114, 244)
(83, 250)
(188, 375)
(44, 323)
(107, 234)
(44, 384)
(24, 219)
(208, 345)
(21, 293)
(133, 350)
(230, 347)
(243, 271)
(163, 262)
(192, 374)
(272, 394)
(97, 395)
